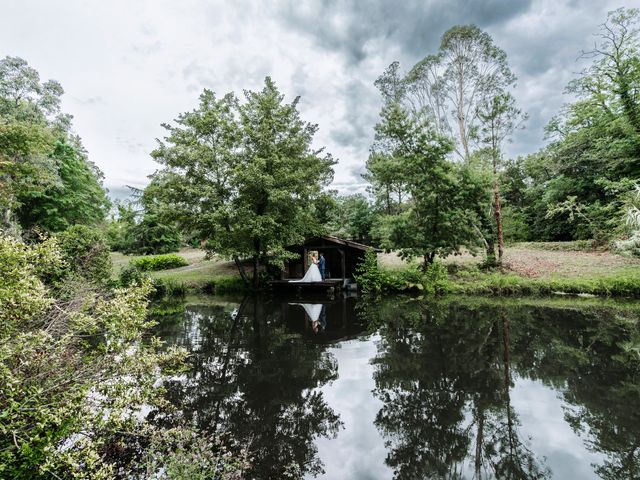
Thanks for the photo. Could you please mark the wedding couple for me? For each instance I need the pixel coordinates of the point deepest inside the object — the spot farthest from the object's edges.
(315, 273)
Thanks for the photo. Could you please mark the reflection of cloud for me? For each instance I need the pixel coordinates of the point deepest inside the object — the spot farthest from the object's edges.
(358, 451)
(542, 418)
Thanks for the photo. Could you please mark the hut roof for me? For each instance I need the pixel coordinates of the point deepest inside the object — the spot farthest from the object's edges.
(339, 241)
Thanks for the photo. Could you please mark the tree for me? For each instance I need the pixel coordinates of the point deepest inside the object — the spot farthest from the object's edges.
(436, 220)
(46, 179)
(499, 117)
(461, 91)
(244, 175)
(593, 159)
(76, 195)
(447, 88)
(353, 218)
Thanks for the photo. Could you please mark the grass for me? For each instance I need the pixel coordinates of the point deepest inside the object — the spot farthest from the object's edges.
(198, 275)
(530, 269)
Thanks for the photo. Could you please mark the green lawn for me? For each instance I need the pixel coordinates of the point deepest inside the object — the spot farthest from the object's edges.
(199, 271)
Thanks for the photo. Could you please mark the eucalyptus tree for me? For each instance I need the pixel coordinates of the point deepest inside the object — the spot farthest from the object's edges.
(243, 177)
(461, 92)
(449, 86)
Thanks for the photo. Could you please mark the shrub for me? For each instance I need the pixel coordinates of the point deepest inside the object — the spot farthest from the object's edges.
(222, 285)
(131, 275)
(436, 279)
(159, 262)
(85, 251)
(168, 288)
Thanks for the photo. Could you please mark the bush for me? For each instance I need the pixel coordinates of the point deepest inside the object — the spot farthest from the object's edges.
(168, 288)
(85, 251)
(373, 279)
(159, 262)
(436, 279)
(222, 285)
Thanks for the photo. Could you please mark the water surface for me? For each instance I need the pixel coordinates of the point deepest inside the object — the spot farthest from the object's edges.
(407, 389)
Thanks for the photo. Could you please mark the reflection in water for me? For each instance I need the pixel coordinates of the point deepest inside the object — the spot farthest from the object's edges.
(444, 377)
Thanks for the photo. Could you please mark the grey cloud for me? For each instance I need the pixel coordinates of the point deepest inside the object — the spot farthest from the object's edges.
(132, 145)
(417, 25)
(361, 107)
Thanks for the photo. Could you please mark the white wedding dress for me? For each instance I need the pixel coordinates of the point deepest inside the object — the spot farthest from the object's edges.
(312, 275)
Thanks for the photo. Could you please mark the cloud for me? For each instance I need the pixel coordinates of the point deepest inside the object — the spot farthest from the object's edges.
(121, 87)
(354, 27)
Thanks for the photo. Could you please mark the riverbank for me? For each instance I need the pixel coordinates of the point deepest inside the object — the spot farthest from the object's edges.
(529, 269)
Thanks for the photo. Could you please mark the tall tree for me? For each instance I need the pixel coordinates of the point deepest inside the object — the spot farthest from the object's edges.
(462, 92)
(499, 117)
(45, 175)
(243, 176)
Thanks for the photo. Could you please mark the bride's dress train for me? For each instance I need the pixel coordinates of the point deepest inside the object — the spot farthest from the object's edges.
(312, 275)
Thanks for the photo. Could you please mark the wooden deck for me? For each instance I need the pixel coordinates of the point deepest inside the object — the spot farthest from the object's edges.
(329, 284)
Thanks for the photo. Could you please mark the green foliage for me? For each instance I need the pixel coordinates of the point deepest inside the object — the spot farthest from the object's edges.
(85, 250)
(130, 275)
(74, 196)
(119, 227)
(47, 180)
(374, 280)
(352, 218)
(167, 287)
(77, 376)
(23, 295)
(576, 187)
(509, 284)
(222, 285)
(243, 176)
(631, 245)
(573, 246)
(159, 262)
(435, 221)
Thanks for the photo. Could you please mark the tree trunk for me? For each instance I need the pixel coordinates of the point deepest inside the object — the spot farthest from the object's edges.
(256, 272)
(427, 259)
(241, 270)
(6, 218)
(498, 213)
(497, 209)
(479, 442)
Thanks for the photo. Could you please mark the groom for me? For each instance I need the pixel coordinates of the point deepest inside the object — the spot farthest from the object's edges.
(321, 263)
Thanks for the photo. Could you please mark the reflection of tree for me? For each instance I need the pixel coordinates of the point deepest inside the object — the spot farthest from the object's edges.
(591, 355)
(443, 376)
(254, 381)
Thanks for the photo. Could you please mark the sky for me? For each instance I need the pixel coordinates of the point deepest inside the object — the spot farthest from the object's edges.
(129, 66)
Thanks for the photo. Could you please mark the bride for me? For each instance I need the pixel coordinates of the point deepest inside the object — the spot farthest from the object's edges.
(313, 273)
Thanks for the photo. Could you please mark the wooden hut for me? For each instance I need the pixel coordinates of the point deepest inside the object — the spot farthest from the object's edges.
(341, 256)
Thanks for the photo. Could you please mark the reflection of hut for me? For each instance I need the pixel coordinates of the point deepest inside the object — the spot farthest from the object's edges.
(341, 256)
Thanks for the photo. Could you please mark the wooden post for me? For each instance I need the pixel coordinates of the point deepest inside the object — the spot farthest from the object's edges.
(305, 261)
(343, 264)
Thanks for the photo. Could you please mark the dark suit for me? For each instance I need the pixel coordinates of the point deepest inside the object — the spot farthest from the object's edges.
(321, 263)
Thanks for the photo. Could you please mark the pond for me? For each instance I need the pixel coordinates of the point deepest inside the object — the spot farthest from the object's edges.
(405, 389)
